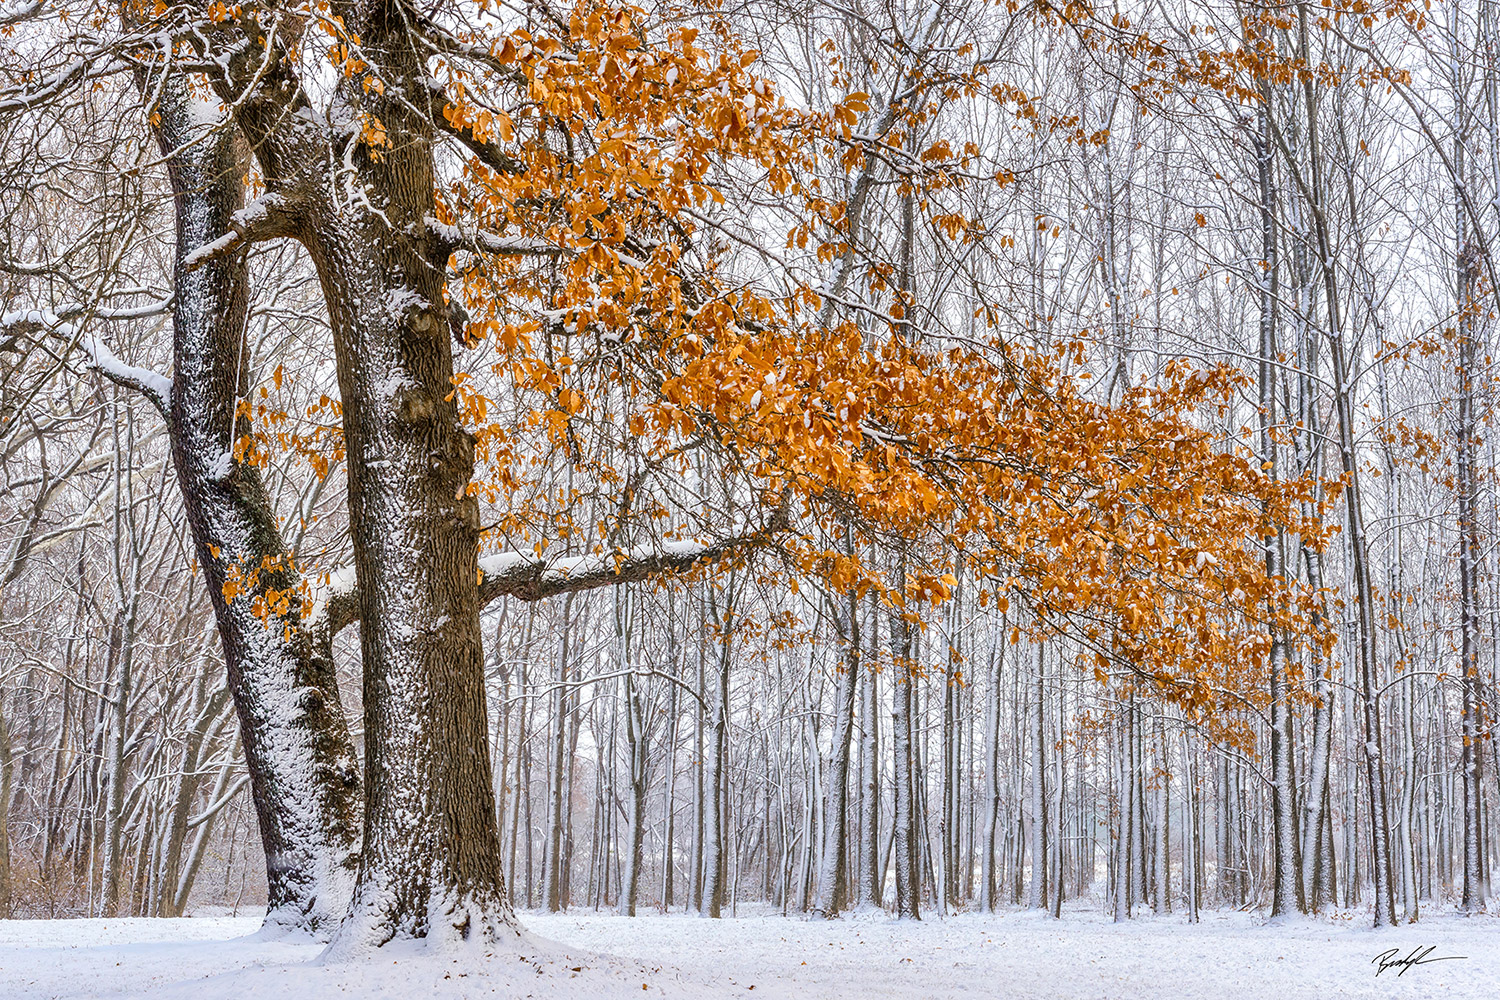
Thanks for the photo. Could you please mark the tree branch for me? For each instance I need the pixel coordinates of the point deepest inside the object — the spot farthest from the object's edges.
(528, 578)
(268, 217)
(155, 387)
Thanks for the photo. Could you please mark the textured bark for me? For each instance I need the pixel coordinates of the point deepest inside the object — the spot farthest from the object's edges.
(430, 865)
(304, 776)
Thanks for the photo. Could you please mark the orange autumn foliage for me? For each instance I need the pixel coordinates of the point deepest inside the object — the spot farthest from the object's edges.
(636, 160)
(1125, 525)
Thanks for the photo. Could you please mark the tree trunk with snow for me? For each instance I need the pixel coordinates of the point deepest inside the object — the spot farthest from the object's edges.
(869, 882)
(552, 863)
(1039, 847)
(715, 862)
(989, 877)
(832, 870)
(305, 779)
(1471, 758)
(639, 754)
(1363, 584)
(7, 772)
(1286, 878)
(908, 887)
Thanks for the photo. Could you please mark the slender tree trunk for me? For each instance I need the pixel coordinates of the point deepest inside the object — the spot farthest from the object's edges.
(1039, 846)
(1474, 890)
(552, 870)
(715, 835)
(904, 814)
(832, 872)
(639, 754)
(7, 771)
(870, 868)
(989, 878)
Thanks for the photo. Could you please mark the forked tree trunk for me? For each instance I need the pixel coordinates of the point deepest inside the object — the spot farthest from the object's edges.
(304, 777)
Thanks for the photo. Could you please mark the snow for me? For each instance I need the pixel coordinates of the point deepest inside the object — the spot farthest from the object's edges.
(221, 467)
(502, 563)
(1016, 954)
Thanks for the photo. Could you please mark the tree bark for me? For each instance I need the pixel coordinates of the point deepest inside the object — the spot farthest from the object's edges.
(908, 888)
(305, 780)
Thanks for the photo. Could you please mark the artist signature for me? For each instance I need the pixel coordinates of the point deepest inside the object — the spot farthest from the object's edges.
(1419, 956)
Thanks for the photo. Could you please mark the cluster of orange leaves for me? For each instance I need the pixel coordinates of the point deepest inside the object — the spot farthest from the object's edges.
(264, 425)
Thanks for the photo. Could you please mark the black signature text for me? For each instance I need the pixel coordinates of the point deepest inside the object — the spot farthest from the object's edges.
(1392, 959)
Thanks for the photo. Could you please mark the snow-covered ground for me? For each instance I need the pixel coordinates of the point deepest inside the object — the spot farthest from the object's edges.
(602, 956)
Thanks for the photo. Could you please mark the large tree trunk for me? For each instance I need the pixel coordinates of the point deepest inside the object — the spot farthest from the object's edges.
(430, 866)
(304, 775)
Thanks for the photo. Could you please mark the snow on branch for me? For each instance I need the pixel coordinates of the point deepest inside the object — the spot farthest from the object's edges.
(266, 218)
(452, 238)
(515, 574)
(155, 387)
(531, 578)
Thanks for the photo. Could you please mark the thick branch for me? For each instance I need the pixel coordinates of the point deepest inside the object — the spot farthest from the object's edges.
(268, 217)
(452, 238)
(527, 578)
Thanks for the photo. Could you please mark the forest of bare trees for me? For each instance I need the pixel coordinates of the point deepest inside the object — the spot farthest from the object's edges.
(242, 637)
